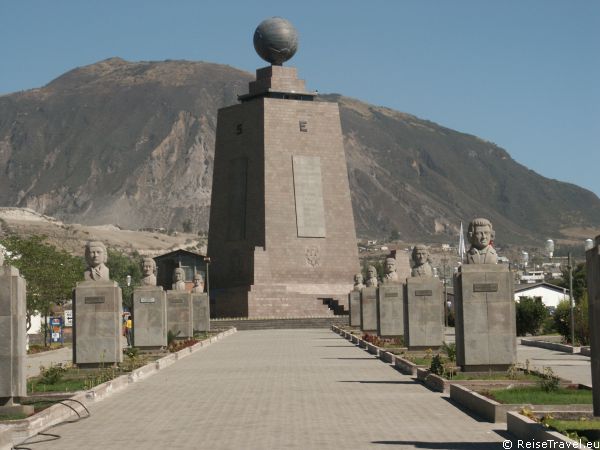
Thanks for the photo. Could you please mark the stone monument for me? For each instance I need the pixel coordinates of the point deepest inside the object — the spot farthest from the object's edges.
(198, 283)
(150, 310)
(593, 285)
(149, 272)
(484, 306)
(178, 279)
(200, 311)
(424, 308)
(481, 235)
(390, 275)
(97, 313)
(390, 310)
(180, 314)
(354, 300)
(372, 280)
(13, 340)
(368, 309)
(281, 235)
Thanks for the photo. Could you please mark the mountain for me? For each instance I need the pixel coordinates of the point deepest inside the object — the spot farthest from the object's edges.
(131, 143)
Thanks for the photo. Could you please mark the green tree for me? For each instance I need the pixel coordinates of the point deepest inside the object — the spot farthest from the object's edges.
(562, 320)
(51, 274)
(579, 281)
(394, 235)
(121, 265)
(531, 314)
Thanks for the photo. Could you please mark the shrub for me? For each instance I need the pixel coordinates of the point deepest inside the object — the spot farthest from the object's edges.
(562, 320)
(531, 314)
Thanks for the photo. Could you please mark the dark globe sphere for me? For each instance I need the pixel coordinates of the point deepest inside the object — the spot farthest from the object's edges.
(275, 40)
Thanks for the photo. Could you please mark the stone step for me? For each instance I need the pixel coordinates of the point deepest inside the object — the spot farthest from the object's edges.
(270, 324)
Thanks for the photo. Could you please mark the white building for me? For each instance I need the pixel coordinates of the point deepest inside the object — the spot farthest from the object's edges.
(550, 294)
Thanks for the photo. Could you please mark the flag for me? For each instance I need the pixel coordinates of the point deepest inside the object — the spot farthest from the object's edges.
(461, 244)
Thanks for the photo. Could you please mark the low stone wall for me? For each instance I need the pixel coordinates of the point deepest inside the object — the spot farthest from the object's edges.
(405, 366)
(528, 430)
(20, 430)
(551, 345)
(586, 351)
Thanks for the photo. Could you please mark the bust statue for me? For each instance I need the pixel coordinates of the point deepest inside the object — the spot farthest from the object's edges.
(178, 279)
(96, 257)
(372, 280)
(358, 282)
(198, 283)
(390, 275)
(149, 272)
(481, 235)
(421, 265)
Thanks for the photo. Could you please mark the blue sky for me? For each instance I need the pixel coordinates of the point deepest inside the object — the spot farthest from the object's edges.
(522, 74)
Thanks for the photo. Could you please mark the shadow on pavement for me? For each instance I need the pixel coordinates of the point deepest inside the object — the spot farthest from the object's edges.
(446, 445)
(373, 358)
(377, 382)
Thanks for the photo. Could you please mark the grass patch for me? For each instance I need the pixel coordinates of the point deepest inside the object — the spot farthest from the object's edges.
(4, 417)
(497, 376)
(536, 396)
(584, 430)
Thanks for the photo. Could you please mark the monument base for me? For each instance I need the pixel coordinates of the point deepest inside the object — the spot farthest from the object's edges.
(593, 283)
(277, 301)
(150, 317)
(354, 307)
(485, 317)
(201, 312)
(97, 324)
(179, 314)
(390, 310)
(9, 407)
(424, 311)
(368, 309)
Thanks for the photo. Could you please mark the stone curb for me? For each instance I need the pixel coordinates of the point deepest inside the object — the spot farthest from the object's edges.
(526, 429)
(493, 411)
(551, 346)
(20, 430)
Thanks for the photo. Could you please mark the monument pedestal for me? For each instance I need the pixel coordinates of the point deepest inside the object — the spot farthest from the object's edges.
(150, 317)
(424, 312)
(354, 308)
(97, 323)
(179, 314)
(390, 310)
(485, 317)
(13, 338)
(368, 309)
(201, 312)
(593, 283)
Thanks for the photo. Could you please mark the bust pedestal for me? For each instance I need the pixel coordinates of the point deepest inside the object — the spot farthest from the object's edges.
(485, 317)
(13, 338)
(201, 311)
(368, 309)
(149, 317)
(179, 314)
(423, 314)
(354, 308)
(390, 310)
(97, 323)
(593, 282)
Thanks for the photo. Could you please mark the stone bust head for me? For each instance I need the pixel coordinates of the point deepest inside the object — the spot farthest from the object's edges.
(358, 282)
(149, 272)
(390, 270)
(198, 283)
(481, 234)
(96, 257)
(179, 279)
(421, 264)
(372, 280)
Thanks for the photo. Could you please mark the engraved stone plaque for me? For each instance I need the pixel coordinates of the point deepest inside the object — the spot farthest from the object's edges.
(423, 292)
(92, 300)
(391, 294)
(176, 300)
(485, 287)
(236, 228)
(308, 193)
(147, 300)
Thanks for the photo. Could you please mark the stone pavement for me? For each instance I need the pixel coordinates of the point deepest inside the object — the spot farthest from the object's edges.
(46, 359)
(573, 367)
(278, 389)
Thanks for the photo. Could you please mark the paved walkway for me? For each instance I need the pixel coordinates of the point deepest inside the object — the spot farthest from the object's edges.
(46, 359)
(573, 367)
(278, 389)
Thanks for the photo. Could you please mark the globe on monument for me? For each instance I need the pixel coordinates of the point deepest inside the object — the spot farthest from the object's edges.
(275, 40)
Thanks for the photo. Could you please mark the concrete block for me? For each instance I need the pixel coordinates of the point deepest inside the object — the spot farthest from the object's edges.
(485, 317)
(97, 323)
(354, 308)
(593, 283)
(13, 335)
(368, 309)
(179, 314)
(390, 310)
(149, 317)
(201, 312)
(424, 313)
